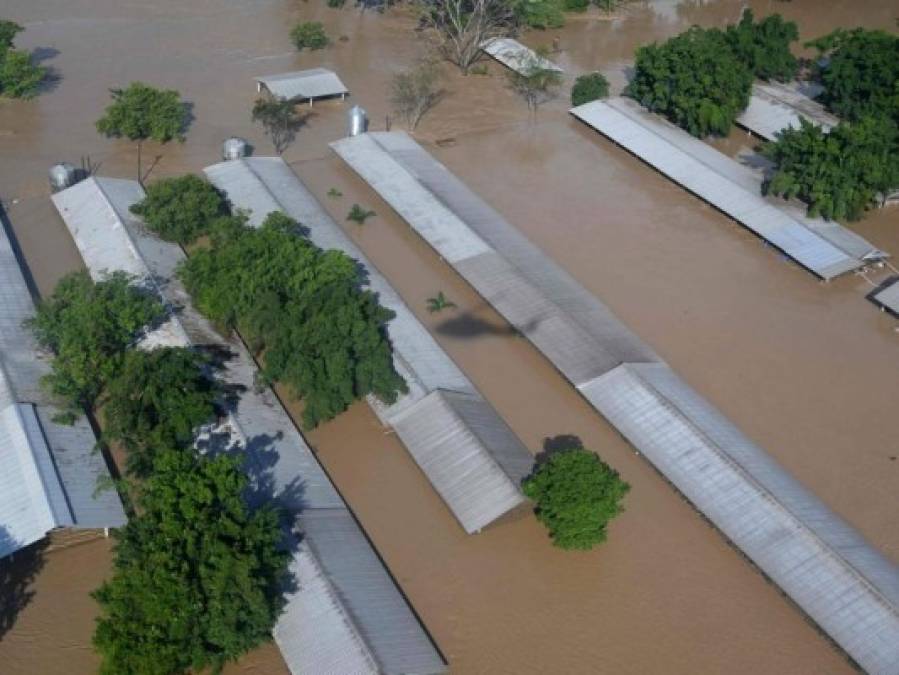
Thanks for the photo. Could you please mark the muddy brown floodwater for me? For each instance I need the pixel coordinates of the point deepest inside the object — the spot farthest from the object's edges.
(807, 370)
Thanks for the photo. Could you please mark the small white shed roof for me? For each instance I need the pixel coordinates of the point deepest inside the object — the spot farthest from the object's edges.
(304, 84)
(888, 296)
(520, 58)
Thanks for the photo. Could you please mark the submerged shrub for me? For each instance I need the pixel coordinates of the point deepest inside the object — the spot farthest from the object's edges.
(588, 88)
(309, 35)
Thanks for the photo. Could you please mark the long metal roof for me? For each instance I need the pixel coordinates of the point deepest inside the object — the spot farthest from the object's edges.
(476, 464)
(516, 56)
(49, 471)
(280, 463)
(304, 84)
(823, 247)
(774, 106)
(846, 585)
(888, 296)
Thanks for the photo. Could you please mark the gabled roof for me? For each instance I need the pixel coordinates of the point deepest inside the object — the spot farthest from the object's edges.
(304, 84)
(516, 56)
(839, 579)
(465, 449)
(774, 106)
(823, 247)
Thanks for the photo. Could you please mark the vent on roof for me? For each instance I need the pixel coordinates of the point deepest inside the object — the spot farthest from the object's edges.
(234, 148)
(62, 175)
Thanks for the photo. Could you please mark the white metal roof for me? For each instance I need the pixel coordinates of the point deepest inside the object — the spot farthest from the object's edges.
(774, 106)
(450, 449)
(304, 84)
(888, 296)
(516, 56)
(280, 463)
(846, 585)
(823, 247)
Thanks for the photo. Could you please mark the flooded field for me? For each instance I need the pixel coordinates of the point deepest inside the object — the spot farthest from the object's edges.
(806, 369)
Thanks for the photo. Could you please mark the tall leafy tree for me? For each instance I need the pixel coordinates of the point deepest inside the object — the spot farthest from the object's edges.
(157, 400)
(694, 79)
(197, 574)
(140, 112)
(860, 73)
(765, 46)
(20, 76)
(576, 494)
(88, 326)
(321, 334)
(838, 174)
(181, 209)
(280, 120)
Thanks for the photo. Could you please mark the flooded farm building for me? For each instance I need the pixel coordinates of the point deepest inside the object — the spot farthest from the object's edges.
(363, 623)
(848, 587)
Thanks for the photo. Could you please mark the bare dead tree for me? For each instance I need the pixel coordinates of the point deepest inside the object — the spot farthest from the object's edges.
(460, 27)
(414, 91)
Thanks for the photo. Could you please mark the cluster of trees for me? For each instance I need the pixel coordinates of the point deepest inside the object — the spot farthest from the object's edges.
(576, 494)
(181, 209)
(20, 76)
(844, 172)
(197, 573)
(321, 334)
(701, 79)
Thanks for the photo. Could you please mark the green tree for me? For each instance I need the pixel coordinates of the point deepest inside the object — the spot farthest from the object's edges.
(536, 83)
(694, 80)
(541, 14)
(838, 174)
(88, 326)
(860, 73)
(576, 494)
(20, 77)
(589, 87)
(156, 400)
(322, 335)
(181, 209)
(197, 575)
(140, 113)
(279, 119)
(765, 46)
(309, 35)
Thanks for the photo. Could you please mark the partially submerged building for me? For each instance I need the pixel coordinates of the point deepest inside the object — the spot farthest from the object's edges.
(345, 613)
(51, 475)
(887, 295)
(775, 106)
(516, 56)
(824, 247)
(465, 449)
(303, 85)
(825, 566)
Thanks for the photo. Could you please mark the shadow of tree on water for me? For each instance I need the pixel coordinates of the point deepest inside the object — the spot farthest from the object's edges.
(17, 574)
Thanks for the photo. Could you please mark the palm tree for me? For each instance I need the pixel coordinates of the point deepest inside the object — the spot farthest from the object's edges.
(439, 302)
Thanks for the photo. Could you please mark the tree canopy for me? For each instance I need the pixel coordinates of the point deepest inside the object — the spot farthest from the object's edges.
(157, 400)
(694, 79)
(309, 35)
(860, 73)
(838, 174)
(20, 76)
(197, 574)
(181, 209)
(765, 46)
(279, 119)
(322, 335)
(88, 326)
(141, 112)
(576, 494)
(589, 87)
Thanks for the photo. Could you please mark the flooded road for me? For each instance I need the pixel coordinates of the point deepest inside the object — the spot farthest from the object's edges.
(807, 370)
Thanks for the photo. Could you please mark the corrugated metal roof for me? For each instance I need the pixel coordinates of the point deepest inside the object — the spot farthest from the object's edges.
(261, 185)
(304, 84)
(774, 106)
(823, 247)
(280, 463)
(846, 585)
(516, 56)
(888, 296)
(72, 470)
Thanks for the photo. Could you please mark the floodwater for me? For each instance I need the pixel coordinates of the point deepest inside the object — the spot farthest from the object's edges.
(806, 369)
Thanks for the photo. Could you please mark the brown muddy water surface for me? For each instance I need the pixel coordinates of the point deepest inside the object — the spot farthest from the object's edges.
(807, 370)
